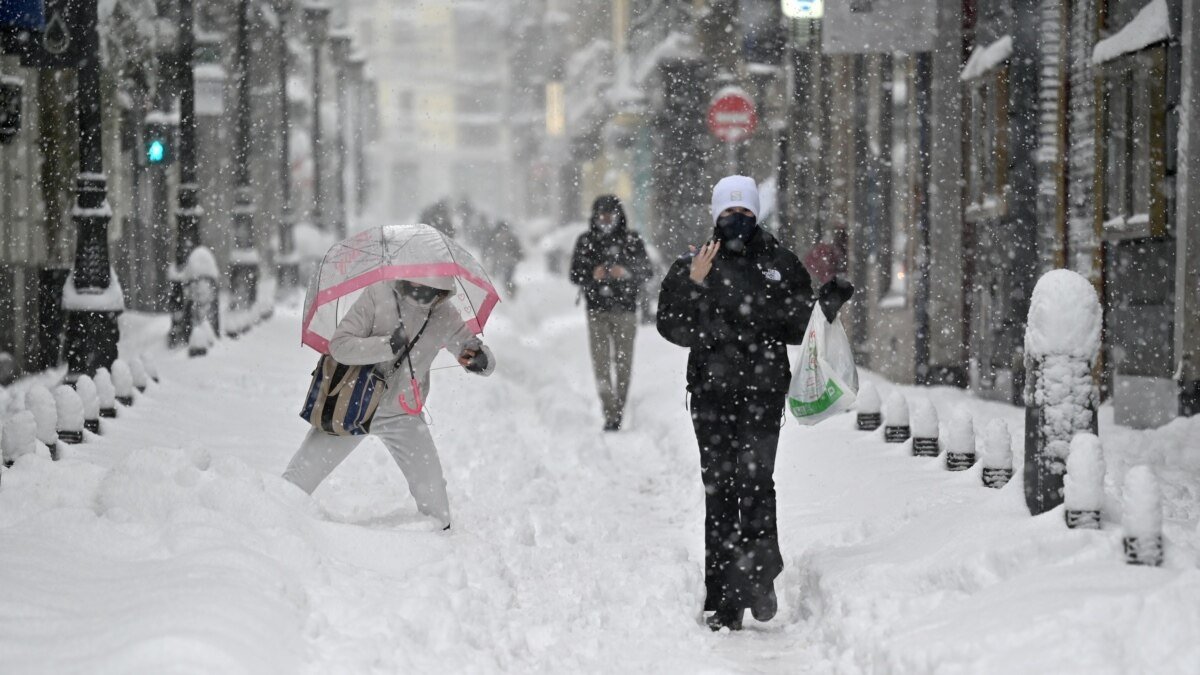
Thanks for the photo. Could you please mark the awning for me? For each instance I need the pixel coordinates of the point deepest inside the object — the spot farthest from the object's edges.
(1152, 24)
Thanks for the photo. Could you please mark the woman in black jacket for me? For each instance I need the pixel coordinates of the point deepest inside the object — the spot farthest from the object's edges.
(736, 304)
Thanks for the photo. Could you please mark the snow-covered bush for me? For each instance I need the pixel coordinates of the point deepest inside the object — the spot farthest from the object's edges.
(1143, 517)
(70, 414)
(40, 402)
(20, 436)
(960, 441)
(137, 370)
(122, 380)
(106, 392)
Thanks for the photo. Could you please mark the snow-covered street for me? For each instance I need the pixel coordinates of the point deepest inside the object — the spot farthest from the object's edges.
(171, 544)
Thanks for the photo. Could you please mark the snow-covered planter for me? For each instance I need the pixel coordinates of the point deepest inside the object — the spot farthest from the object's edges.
(868, 406)
(150, 367)
(70, 414)
(201, 339)
(997, 456)
(86, 387)
(20, 437)
(1084, 483)
(924, 427)
(137, 370)
(960, 441)
(122, 379)
(1062, 339)
(1143, 540)
(106, 393)
(40, 402)
(896, 429)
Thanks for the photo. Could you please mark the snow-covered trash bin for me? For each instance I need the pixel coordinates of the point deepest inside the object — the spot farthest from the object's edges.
(895, 418)
(40, 402)
(1062, 340)
(869, 408)
(1142, 523)
(69, 406)
(137, 371)
(90, 397)
(924, 427)
(106, 393)
(997, 456)
(122, 379)
(150, 366)
(20, 437)
(960, 441)
(1083, 490)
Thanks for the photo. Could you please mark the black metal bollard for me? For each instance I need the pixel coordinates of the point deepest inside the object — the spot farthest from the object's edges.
(868, 406)
(924, 426)
(997, 454)
(1143, 541)
(896, 429)
(1084, 483)
(960, 442)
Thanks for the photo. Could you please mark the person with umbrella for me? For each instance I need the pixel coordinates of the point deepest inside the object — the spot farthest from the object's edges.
(416, 286)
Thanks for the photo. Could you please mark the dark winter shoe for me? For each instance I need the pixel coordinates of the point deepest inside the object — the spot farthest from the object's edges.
(612, 426)
(725, 617)
(765, 605)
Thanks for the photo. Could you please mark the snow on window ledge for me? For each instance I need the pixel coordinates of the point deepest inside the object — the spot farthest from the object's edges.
(1152, 24)
(985, 59)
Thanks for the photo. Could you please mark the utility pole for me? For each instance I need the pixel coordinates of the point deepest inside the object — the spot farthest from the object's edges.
(92, 296)
(289, 273)
(340, 44)
(244, 259)
(187, 211)
(317, 20)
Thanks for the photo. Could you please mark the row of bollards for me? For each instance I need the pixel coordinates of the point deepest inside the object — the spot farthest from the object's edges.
(62, 415)
(1085, 468)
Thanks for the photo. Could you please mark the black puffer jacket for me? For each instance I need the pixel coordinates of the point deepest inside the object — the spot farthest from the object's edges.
(622, 247)
(739, 322)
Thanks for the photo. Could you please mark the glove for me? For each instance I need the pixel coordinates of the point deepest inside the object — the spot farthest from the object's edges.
(835, 293)
(398, 340)
(479, 362)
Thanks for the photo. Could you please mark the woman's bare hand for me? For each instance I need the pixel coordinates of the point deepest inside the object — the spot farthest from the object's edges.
(703, 261)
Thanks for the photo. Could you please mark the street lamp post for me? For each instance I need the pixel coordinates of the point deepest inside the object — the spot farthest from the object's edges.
(317, 20)
(188, 211)
(340, 43)
(358, 128)
(92, 296)
(244, 258)
(289, 273)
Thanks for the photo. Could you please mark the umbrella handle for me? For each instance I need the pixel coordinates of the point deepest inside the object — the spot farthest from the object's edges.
(416, 390)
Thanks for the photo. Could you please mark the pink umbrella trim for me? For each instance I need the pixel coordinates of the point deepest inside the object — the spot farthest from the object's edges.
(392, 272)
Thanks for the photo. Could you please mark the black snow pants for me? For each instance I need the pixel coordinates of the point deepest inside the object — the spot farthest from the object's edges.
(738, 433)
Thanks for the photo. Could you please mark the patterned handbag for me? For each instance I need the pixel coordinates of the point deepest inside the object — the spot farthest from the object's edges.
(342, 399)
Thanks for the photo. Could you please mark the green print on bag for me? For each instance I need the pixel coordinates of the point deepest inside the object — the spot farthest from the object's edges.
(805, 408)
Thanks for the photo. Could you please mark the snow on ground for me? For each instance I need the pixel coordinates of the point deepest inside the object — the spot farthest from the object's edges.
(170, 544)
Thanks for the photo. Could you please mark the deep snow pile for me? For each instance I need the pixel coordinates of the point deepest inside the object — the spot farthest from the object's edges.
(170, 543)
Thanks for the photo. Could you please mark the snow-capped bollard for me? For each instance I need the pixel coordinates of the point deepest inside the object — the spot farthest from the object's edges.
(924, 428)
(201, 339)
(1143, 540)
(86, 387)
(70, 414)
(997, 456)
(1062, 339)
(106, 393)
(896, 429)
(40, 402)
(150, 366)
(20, 437)
(122, 380)
(1084, 484)
(868, 406)
(960, 441)
(137, 371)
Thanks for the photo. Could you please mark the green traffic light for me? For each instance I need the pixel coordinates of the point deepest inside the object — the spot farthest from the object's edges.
(157, 151)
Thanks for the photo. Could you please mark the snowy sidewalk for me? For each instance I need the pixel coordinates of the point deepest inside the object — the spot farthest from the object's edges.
(170, 543)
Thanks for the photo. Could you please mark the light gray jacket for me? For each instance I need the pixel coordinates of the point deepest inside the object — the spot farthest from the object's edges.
(364, 336)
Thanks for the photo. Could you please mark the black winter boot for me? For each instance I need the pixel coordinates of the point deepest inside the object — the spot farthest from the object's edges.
(765, 604)
(725, 617)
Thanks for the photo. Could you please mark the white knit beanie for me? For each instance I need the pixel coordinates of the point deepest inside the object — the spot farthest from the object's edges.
(734, 191)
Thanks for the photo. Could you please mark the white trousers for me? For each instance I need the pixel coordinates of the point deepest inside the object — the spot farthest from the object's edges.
(408, 440)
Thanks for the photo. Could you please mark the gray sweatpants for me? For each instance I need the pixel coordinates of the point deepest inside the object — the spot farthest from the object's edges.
(408, 440)
(611, 337)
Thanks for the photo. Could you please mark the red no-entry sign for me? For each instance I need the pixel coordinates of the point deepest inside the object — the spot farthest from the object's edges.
(731, 117)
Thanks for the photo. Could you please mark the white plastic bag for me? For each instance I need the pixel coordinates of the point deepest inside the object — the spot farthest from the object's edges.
(825, 381)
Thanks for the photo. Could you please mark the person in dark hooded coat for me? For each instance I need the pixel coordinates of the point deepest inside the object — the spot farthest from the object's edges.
(736, 304)
(610, 266)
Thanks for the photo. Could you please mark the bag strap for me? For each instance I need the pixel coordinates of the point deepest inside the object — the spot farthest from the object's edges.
(411, 343)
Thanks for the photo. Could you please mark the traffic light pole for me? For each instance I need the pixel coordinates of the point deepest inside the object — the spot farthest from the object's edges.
(244, 268)
(92, 297)
(187, 212)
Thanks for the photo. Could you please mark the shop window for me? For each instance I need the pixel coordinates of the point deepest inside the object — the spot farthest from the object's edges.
(987, 146)
(1131, 146)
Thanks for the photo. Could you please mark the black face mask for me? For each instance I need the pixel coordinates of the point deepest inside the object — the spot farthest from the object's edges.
(734, 230)
(422, 295)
